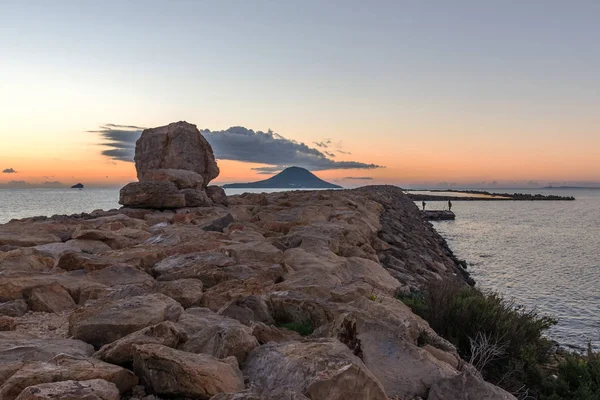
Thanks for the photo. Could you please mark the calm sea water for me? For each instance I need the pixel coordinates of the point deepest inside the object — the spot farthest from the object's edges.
(542, 254)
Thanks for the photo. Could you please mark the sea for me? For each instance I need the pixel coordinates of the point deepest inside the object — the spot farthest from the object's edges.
(543, 254)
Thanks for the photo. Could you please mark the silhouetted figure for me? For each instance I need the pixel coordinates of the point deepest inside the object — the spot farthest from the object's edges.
(449, 205)
(424, 205)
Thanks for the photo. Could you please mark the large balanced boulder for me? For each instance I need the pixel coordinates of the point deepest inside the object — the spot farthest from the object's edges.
(170, 372)
(177, 146)
(174, 165)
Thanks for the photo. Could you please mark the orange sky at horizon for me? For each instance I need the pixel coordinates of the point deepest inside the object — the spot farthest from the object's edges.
(408, 161)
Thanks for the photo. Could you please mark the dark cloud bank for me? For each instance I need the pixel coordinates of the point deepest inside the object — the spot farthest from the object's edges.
(239, 144)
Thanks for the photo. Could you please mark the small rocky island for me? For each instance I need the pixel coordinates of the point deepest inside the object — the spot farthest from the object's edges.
(77, 186)
(289, 178)
(184, 293)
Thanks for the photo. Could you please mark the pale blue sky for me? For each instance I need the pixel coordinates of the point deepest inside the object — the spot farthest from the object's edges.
(505, 75)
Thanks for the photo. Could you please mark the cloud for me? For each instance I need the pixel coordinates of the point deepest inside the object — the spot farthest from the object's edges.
(323, 144)
(120, 139)
(343, 152)
(238, 144)
(9, 171)
(359, 178)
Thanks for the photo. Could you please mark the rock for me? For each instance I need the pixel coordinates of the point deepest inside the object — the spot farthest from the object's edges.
(175, 146)
(93, 389)
(214, 334)
(16, 347)
(116, 240)
(188, 292)
(26, 259)
(71, 261)
(192, 266)
(149, 194)
(64, 368)
(196, 198)
(467, 386)
(15, 308)
(182, 178)
(219, 224)
(254, 251)
(121, 351)
(248, 309)
(25, 239)
(49, 298)
(321, 370)
(170, 372)
(76, 245)
(106, 322)
(217, 195)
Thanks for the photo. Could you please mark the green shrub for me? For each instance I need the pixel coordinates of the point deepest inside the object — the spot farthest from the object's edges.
(577, 377)
(516, 348)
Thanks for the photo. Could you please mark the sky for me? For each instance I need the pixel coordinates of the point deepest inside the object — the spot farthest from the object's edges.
(414, 93)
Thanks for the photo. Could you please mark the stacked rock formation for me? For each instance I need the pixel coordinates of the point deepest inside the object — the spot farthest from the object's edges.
(174, 165)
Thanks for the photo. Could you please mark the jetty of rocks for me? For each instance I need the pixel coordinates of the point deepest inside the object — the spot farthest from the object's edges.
(288, 295)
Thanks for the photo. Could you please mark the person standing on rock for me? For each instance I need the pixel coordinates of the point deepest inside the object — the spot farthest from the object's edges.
(449, 205)
(424, 205)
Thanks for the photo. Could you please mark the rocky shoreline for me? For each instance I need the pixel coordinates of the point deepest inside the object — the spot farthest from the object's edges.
(128, 300)
(185, 293)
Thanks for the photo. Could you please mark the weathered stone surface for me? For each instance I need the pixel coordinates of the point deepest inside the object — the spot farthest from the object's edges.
(467, 386)
(188, 292)
(151, 195)
(193, 266)
(321, 370)
(23, 239)
(106, 322)
(49, 298)
(175, 146)
(211, 333)
(121, 351)
(16, 347)
(217, 195)
(196, 198)
(93, 389)
(248, 309)
(218, 224)
(170, 372)
(64, 368)
(183, 179)
(14, 308)
(71, 261)
(26, 259)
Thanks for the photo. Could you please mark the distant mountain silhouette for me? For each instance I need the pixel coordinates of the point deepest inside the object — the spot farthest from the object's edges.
(289, 178)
